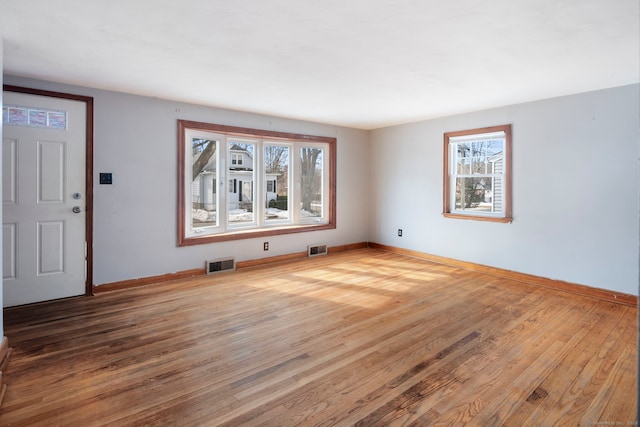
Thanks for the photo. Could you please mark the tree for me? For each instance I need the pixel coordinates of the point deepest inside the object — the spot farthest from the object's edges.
(207, 149)
(275, 158)
(473, 192)
(276, 161)
(309, 166)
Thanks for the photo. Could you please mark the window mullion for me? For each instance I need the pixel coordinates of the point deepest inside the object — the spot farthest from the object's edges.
(260, 184)
(296, 187)
(291, 189)
(223, 212)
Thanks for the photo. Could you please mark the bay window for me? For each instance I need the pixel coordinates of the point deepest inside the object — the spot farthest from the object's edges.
(277, 183)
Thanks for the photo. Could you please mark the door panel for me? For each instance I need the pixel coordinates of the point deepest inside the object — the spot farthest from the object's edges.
(43, 238)
(51, 169)
(50, 248)
(9, 250)
(9, 171)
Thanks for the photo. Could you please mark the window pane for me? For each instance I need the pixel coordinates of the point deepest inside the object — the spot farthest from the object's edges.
(204, 198)
(463, 158)
(477, 157)
(276, 170)
(483, 154)
(482, 194)
(311, 180)
(241, 196)
(473, 194)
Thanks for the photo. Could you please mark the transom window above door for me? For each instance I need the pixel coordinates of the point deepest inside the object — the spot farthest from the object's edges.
(14, 115)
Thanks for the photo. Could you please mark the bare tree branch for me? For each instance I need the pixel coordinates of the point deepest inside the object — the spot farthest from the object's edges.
(204, 158)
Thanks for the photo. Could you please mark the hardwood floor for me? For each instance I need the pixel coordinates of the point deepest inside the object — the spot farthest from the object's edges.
(364, 338)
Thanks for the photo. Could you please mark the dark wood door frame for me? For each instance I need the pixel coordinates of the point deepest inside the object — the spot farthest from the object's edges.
(88, 100)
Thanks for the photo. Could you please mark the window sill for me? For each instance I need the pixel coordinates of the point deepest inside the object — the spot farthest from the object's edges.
(253, 233)
(478, 217)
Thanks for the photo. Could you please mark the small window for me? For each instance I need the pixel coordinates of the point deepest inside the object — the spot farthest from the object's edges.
(477, 176)
(236, 159)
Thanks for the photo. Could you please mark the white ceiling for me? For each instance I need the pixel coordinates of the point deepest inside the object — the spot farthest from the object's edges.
(358, 63)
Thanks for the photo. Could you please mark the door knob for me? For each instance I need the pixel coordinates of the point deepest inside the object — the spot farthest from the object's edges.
(76, 209)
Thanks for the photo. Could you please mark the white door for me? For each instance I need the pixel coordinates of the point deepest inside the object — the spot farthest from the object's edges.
(43, 177)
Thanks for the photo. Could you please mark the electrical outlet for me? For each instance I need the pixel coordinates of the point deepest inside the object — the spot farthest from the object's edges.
(399, 232)
(265, 246)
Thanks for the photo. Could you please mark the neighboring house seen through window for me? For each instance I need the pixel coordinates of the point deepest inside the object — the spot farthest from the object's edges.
(477, 176)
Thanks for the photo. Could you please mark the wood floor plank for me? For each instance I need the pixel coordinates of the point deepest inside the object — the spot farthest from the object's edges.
(579, 349)
(362, 337)
(394, 359)
(494, 367)
(536, 365)
(614, 374)
(585, 384)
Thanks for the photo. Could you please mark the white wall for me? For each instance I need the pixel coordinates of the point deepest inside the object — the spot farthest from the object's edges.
(135, 219)
(575, 190)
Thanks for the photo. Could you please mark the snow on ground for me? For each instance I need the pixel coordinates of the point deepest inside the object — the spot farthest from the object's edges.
(242, 215)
